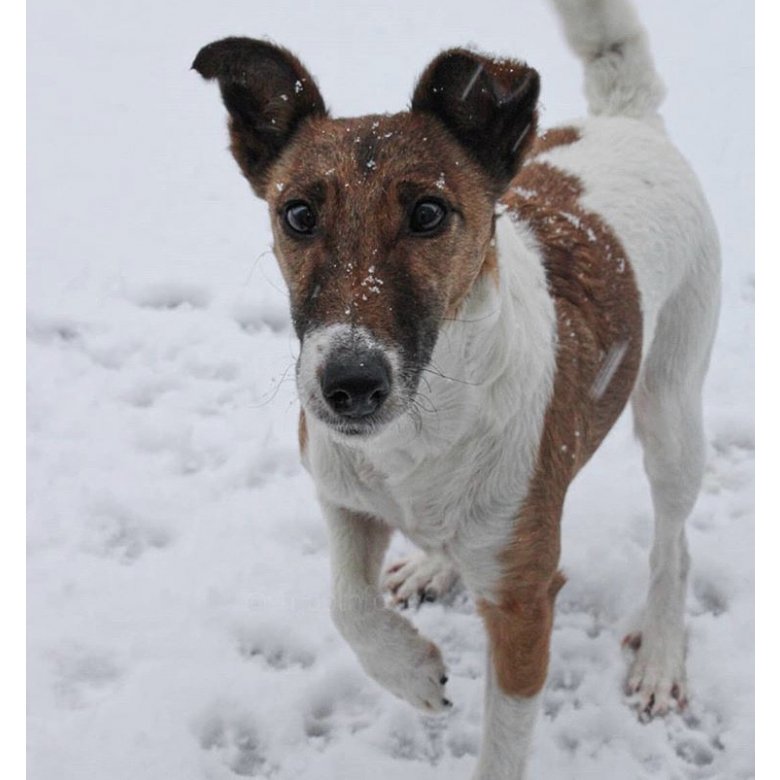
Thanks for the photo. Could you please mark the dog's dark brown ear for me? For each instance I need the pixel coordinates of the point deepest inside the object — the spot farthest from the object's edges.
(267, 92)
(488, 105)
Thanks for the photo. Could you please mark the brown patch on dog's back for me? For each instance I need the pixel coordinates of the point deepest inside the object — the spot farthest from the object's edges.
(599, 321)
(599, 329)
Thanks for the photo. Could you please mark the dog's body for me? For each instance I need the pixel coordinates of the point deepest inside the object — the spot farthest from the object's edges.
(597, 282)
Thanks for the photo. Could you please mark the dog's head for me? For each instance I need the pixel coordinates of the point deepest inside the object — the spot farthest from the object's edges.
(382, 224)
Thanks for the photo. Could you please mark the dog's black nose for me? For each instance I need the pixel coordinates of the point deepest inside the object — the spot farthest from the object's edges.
(355, 385)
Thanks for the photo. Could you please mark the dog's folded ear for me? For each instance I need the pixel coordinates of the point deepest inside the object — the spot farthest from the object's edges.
(488, 105)
(267, 92)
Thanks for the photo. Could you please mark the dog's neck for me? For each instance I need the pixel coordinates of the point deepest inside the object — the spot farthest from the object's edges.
(493, 365)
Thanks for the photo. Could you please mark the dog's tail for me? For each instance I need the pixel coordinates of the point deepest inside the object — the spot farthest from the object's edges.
(620, 78)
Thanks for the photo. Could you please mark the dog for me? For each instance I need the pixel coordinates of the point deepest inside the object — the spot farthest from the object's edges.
(476, 303)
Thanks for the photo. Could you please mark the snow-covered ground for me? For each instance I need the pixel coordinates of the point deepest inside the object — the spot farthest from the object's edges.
(177, 576)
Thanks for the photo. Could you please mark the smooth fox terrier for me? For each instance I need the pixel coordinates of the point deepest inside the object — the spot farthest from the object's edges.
(476, 302)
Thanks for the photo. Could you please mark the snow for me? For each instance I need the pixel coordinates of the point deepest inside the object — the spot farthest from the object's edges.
(178, 625)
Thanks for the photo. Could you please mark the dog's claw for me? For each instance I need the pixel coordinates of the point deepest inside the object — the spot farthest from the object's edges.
(632, 641)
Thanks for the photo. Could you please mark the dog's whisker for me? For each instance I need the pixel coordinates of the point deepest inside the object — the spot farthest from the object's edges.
(431, 408)
(415, 414)
(427, 383)
(262, 271)
(442, 375)
(270, 395)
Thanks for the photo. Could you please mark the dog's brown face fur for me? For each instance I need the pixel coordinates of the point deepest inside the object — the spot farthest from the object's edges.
(382, 223)
(367, 261)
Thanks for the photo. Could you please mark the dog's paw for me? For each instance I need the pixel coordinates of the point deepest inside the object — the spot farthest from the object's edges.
(410, 667)
(656, 680)
(419, 578)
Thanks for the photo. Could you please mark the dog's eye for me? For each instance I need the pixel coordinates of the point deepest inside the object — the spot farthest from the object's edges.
(427, 216)
(300, 217)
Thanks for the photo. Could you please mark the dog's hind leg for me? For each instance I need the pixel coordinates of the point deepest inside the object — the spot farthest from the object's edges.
(667, 405)
(420, 577)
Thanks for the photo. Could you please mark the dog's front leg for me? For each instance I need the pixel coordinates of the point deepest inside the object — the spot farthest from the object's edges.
(388, 646)
(517, 612)
(519, 628)
(506, 733)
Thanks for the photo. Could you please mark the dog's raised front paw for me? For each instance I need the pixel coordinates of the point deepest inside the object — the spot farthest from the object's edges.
(409, 666)
(656, 680)
(419, 578)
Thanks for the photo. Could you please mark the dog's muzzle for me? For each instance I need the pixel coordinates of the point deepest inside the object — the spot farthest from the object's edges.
(350, 381)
